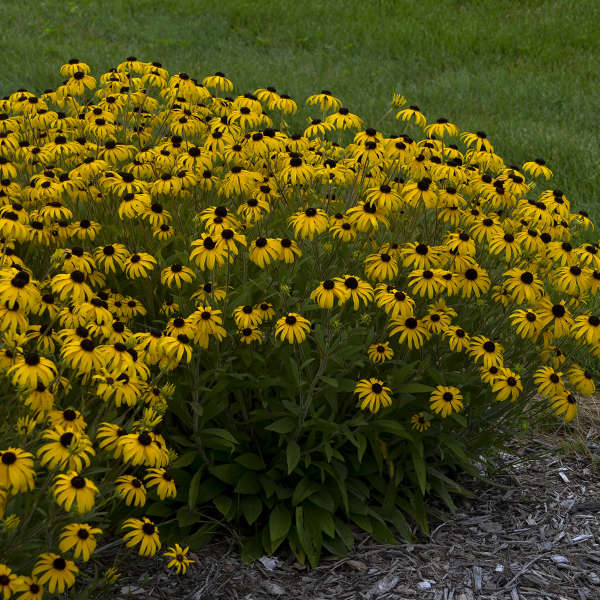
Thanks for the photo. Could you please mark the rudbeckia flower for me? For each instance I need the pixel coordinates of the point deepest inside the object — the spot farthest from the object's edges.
(16, 470)
(373, 394)
(144, 533)
(179, 560)
(379, 353)
(131, 490)
(81, 538)
(420, 422)
(537, 168)
(411, 112)
(71, 488)
(56, 571)
(507, 385)
(566, 405)
(445, 399)
(308, 223)
(410, 329)
(292, 328)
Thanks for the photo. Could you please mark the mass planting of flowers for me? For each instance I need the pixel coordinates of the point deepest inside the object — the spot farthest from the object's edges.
(215, 311)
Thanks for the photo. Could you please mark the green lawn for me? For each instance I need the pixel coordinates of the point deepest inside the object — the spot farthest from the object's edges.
(525, 72)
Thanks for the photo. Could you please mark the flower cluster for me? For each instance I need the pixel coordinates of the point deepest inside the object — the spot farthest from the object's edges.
(149, 222)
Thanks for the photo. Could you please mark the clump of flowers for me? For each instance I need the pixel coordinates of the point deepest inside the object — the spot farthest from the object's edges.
(209, 315)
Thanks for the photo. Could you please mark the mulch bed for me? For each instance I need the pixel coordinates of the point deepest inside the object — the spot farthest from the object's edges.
(535, 535)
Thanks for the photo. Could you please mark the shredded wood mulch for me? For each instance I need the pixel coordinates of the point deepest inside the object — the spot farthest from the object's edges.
(534, 536)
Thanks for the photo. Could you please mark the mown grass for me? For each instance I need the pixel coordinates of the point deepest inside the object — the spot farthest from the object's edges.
(522, 71)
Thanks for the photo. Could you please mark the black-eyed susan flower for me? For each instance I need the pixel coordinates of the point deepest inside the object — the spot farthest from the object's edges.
(393, 301)
(445, 399)
(55, 571)
(131, 490)
(265, 310)
(410, 330)
(143, 532)
(30, 588)
(458, 338)
(420, 422)
(208, 254)
(65, 449)
(424, 191)
(309, 222)
(373, 394)
(556, 317)
(344, 119)
(247, 316)
(248, 335)
(588, 328)
(367, 216)
(427, 282)
(262, 251)
(379, 353)
(292, 328)
(16, 470)
(412, 112)
(69, 419)
(139, 265)
(484, 349)
(176, 275)
(72, 489)
(71, 286)
(582, 380)
(179, 559)
(527, 323)
(178, 347)
(162, 480)
(473, 281)
(549, 382)
(327, 291)
(381, 266)
(288, 250)
(31, 369)
(359, 291)
(18, 288)
(142, 449)
(537, 168)
(565, 404)
(80, 538)
(523, 285)
(507, 385)
(441, 128)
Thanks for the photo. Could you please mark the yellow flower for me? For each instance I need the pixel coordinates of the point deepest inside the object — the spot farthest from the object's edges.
(373, 393)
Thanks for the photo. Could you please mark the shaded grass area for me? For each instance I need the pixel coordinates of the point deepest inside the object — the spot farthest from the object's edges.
(525, 72)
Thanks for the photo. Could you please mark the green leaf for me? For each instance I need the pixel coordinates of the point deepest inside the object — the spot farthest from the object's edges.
(345, 533)
(268, 485)
(228, 473)
(224, 504)
(251, 461)
(158, 509)
(194, 490)
(186, 459)
(330, 381)
(361, 441)
(280, 522)
(420, 467)
(293, 456)
(413, 388)
(251, 508)
(285, 425)
(248, 484)
(323, 499)
(392, 427)
(305, 489)
(252, 549)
